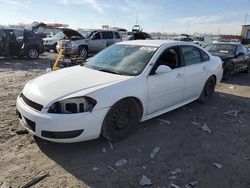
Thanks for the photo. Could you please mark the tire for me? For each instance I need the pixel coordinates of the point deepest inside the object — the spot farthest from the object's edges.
(228, 71)
(83, 52)
(32, 53)
(120, 120)
(208, 90)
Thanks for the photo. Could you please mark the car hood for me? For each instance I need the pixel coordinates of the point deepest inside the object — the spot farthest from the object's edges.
(69, 33)
(223, 56)
(59, 84)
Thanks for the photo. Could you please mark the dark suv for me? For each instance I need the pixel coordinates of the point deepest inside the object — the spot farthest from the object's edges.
(20, 42)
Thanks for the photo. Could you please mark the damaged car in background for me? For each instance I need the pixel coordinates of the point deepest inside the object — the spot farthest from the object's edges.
(21, 42)
(235, 57)
(124, 84)
(77, 44)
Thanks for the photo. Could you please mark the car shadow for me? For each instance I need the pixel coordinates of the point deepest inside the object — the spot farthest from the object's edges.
(239, 79)
(182, 145)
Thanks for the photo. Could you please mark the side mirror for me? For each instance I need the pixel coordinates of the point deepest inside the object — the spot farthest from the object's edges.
(163, 69)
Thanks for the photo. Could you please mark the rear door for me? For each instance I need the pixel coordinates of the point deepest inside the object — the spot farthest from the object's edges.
(96, 43)
(196, 71)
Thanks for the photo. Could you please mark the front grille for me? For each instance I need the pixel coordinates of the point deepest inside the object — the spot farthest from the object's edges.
(32, 104)
(30, 124)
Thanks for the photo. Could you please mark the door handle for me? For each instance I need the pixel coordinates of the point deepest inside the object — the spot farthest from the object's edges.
(179, 75)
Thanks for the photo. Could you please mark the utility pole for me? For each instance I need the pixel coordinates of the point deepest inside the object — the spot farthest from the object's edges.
(245, 19)
(187, 27)
(136, 19)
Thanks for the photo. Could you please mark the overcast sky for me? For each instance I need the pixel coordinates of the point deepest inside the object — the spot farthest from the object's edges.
(180, 16)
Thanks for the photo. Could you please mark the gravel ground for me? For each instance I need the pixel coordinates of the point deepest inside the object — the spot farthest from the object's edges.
(197, 143)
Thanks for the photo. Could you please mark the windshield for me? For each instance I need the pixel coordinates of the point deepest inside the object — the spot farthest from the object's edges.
(122, 59)
(85, 33)
(221, 48)
(59, 35)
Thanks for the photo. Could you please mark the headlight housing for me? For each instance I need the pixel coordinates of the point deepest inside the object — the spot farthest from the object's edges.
(73, 105)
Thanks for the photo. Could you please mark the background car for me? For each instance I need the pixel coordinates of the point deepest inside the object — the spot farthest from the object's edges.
(235, 57)
(77, 44)
(23, 43)
(126, 83)
(51, 42)
(138, 36)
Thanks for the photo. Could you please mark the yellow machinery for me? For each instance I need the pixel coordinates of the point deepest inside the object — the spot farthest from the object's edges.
(61, 63)
(56, 65)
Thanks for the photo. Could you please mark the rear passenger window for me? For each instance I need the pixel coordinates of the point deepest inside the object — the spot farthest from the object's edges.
(107, 35)
(117, 36)
(204, 56)
(18, 33)
(191, 55)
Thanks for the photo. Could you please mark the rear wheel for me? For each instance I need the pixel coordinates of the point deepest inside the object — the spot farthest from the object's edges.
(228, 71)
(208, 90)
(32, 53)
(121, 119)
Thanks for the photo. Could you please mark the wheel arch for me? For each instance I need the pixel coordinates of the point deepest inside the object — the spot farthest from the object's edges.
(83, 45)
(137, 101)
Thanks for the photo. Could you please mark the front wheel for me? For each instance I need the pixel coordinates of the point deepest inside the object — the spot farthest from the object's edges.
(83, 52)
(120, 120)
(32, 53)
(208, 90)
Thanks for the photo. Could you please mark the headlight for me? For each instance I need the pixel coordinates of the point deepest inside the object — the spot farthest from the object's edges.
(73, 105)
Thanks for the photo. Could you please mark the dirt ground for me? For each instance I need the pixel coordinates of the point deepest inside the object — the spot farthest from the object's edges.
(180, 137)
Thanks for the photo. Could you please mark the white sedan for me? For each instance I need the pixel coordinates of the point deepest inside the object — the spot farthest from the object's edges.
(127, 83)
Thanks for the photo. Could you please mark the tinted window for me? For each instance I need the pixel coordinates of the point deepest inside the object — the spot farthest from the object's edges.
(18, 33)
(117, 36)
(107, 35)
(96, 36)
(191, 55)
(204, 56)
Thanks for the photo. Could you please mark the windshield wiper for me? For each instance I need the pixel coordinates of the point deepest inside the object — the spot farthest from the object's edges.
(109, 71)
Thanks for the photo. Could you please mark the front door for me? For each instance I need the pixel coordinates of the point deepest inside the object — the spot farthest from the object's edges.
(166, 89)
(96, 43)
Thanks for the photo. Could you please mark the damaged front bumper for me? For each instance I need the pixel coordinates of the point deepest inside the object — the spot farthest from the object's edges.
(63, 128)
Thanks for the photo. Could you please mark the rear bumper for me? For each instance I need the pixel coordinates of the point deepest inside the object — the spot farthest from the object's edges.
(63, 128)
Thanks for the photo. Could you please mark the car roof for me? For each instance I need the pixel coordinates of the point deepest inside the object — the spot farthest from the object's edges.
(228, 43)
(155, 43)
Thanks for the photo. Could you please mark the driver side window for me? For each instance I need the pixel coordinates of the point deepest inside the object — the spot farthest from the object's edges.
(96, 36)
(170, 57)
